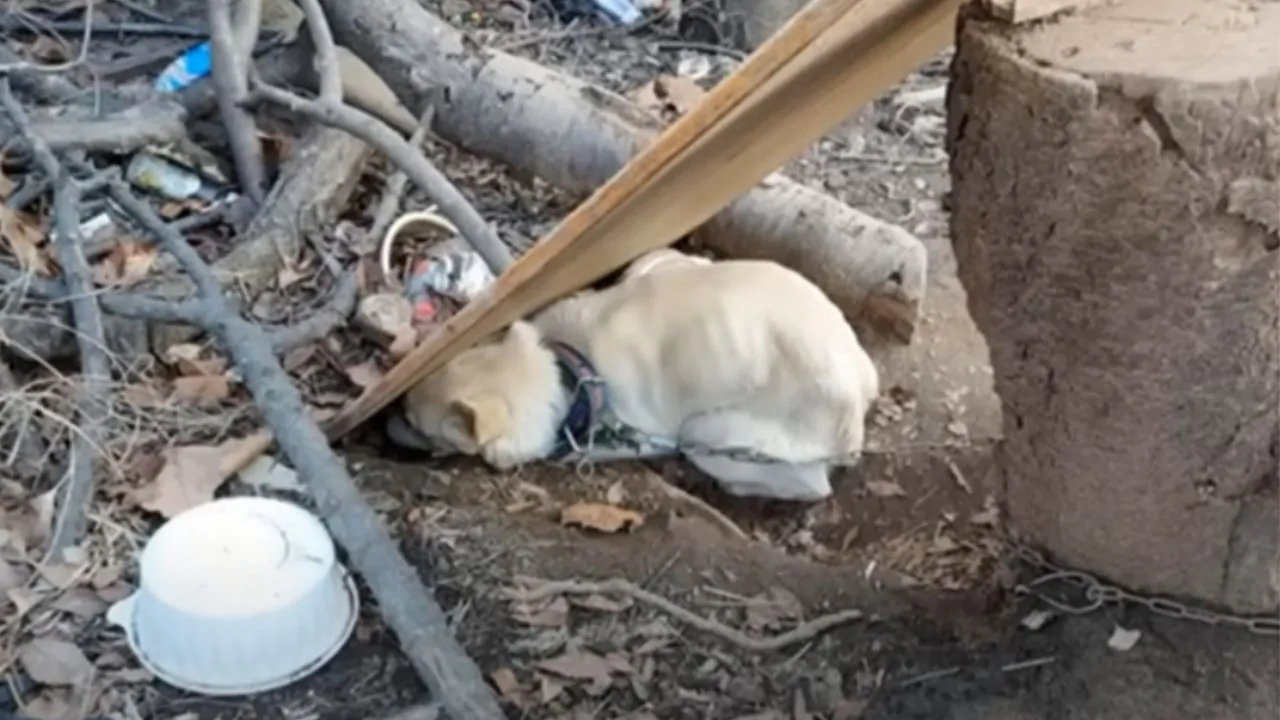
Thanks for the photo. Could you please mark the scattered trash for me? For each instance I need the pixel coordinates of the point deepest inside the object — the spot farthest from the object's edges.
(167, 178)
(450, 269)
(190, 66)
(238, 596)
(1037, 619)
(619, 12)
(1123, 640)
(668, 96)
(268, 473)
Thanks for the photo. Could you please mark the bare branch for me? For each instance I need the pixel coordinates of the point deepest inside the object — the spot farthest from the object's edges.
(419, 169)
(329, 318)
(408, 609)
(326, 58)
(394, 191)
(95, 367)
(231, 65)
(86, 34)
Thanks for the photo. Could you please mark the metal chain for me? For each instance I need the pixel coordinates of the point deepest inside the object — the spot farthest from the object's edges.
(1097, 593)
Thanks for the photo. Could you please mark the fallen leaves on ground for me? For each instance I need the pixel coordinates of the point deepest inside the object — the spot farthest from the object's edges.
(600, 517)
(51, 661)
(190, 476)
(202, 387)
(128, 262)
(265, 472)
(885, 488)
(552, 613)
(21, 233)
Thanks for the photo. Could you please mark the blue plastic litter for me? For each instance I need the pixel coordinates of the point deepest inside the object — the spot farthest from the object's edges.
(189, 67)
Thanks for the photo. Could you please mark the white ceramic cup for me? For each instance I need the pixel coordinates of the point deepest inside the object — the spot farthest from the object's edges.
(238, 596)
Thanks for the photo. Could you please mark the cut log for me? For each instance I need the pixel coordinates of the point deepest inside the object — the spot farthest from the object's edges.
(1122, 261)
(576, 136)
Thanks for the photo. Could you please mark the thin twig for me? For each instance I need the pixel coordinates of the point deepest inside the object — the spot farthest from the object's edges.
(424, 174)
(95, 367)
(326, 57)
(805, 631)
(450, 675)
(231, 64)
(85, 36)
(152, 29)
(394, 191)
(329, 318)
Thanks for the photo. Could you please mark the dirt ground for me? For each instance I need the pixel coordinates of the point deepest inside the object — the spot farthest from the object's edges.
(911, 538)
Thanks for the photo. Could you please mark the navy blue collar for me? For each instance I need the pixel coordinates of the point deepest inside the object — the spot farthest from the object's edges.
(588, 397)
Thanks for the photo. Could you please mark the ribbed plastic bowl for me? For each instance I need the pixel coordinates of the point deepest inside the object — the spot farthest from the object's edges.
(238, 596)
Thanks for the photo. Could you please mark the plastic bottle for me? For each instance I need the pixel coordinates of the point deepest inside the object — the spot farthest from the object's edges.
(187, 68)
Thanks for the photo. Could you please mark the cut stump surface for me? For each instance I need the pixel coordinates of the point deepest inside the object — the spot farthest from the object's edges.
(1115, 223)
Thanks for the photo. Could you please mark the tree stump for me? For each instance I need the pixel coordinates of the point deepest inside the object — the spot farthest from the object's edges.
(1116, 219)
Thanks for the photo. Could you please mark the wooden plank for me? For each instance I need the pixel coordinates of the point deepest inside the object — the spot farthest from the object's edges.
(1020, 11)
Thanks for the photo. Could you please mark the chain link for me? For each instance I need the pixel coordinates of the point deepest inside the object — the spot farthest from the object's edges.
(1096, 593)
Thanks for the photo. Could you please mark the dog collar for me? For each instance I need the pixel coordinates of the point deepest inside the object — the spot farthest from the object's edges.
(588, 399)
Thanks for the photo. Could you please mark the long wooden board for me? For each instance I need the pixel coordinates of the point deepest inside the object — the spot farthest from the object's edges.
(831, 58)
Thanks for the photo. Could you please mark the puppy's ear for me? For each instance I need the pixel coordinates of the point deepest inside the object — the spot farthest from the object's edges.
(485, 417)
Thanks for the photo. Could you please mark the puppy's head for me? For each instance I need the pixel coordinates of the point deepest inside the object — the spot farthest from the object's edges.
(661, 260)
(477, 403)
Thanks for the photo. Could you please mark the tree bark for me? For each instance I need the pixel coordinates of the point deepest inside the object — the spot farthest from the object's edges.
(576, 136)
(1114, 190)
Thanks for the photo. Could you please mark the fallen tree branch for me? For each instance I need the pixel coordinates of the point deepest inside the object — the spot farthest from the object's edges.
(323, 322)
(453, 205)
(801, 633)
(95, 369)
(232, 60)
(158, 121)
(450, 675)
(329, 110)
(576, 136)
(283, 339)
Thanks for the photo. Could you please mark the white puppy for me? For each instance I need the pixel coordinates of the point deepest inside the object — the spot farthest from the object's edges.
(734, 354)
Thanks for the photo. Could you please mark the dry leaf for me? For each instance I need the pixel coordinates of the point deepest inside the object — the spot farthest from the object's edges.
(364, 375)
(603, 604)
(143, 396)
(202, 387)
(552, 614)
(50, 661)
(21, 233)
(581, 665)
(81, 602)
(604, 518)
(615, 494)
(6, 185)
(190, 476)
(127, 263)
(287, 276)
(54, 703)
(1123, 640)
(885, 488)
(504, 680)
(549, 689)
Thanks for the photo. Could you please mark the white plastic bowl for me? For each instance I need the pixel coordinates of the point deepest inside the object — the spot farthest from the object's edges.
(238, 596)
